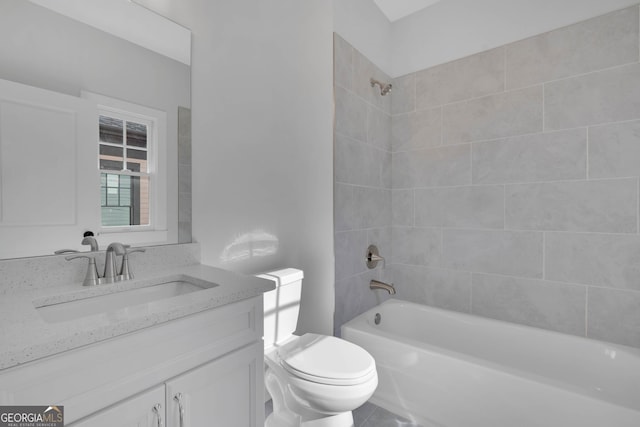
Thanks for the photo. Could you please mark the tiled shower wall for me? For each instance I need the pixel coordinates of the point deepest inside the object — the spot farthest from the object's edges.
(362, 172)
(184, 175)
(515, 181)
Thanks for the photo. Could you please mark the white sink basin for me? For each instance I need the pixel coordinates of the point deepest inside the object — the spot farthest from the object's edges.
(155, 291)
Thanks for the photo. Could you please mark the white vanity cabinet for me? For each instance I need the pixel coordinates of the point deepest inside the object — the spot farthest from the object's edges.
(143, 410)
(212, 359)
(220, 393)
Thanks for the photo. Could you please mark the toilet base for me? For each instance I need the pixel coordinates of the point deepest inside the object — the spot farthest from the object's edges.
(344, 419)
(284, 416)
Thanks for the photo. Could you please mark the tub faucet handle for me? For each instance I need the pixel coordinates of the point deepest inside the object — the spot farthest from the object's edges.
(373, 257)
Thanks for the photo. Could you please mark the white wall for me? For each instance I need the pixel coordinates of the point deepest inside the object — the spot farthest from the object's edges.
(454, 29)
(262, 101)
(366, 28)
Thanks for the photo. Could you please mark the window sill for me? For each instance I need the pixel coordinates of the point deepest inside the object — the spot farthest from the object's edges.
(133, 238)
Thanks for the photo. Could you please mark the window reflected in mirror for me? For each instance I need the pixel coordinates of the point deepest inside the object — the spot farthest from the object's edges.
(125, 188)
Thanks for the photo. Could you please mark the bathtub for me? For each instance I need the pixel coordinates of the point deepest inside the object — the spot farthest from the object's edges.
(447, 369)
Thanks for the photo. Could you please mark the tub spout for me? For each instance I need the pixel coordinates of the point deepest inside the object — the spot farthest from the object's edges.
(376, 284)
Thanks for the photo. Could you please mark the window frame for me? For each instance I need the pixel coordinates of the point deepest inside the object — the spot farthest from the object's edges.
(156, 120)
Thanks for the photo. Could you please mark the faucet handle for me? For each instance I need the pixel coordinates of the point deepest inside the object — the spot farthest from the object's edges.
(130, 251)
(65, 251)
(91, 278)
(125, 271)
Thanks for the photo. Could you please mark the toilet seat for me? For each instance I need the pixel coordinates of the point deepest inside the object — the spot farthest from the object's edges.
(327, 360)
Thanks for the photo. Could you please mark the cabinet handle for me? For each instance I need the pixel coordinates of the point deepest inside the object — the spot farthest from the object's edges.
(157, 408)
(178, 398)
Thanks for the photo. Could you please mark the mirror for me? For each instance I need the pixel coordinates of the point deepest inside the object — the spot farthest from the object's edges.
(44, 49)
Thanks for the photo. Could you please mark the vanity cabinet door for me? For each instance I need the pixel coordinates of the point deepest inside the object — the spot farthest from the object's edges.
(143, 410)
(225, 392)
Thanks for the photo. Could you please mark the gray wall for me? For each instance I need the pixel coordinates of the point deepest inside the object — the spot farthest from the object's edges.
(362, 175)
(515, 181)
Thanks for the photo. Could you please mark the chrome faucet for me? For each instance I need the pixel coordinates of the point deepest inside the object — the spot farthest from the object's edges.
(110, 265)
(87, 240)
(376, 284)
(111, 272)
(90, 240)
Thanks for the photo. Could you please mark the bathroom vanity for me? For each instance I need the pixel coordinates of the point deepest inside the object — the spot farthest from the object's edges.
(183, 359)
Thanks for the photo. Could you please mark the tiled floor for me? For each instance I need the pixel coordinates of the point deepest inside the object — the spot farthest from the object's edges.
(369, 415)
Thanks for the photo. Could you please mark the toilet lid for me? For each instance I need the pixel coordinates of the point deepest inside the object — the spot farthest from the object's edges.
(327, 360)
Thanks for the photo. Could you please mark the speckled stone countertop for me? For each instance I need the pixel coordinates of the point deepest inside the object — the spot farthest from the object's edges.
(25, 336)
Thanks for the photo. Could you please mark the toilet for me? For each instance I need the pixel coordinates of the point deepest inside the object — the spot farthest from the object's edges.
(314, 380)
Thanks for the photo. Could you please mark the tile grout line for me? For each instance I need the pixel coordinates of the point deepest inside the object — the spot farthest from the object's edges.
(544, 253)
(586, 312)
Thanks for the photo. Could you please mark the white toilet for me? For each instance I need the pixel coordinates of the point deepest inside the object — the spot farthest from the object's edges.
(314, 380)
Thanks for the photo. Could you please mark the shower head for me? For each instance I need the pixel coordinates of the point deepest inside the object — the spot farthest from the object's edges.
(385, 88)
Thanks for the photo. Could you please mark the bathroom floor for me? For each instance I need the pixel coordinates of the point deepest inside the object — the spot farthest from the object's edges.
(369, 415)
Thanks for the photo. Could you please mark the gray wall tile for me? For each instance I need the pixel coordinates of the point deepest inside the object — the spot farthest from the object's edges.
(344, 207)
(550, 305)
(600, 97)
(416, 246)
(343, 63)
(184, 231)
(363, 71)
(350, 115)
(614, 150)
(378, 128)
(438, 287)
(464, 128)
(417, 130)
(403, 95)
(372, 207)
(348, 243)
(598, 43)
(354, 297)
(609, 260)
(551, 156)
(496, 116)
(443, 166)
(471, 77)
(601, 206)
(516, 253)
(184, 207)
(402, 207)
(614, 316)
(362, 180)
(359, 163)
(184, 175)
(460, 207)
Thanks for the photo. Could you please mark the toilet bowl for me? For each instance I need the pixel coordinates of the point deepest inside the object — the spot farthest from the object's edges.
(314, 380)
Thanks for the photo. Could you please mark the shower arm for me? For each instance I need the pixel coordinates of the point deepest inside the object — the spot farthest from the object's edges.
(385, 88)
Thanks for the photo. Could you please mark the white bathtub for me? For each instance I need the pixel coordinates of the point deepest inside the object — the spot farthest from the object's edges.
(447, 369)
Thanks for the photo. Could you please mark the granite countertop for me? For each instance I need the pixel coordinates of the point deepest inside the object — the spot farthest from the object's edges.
(25, 336)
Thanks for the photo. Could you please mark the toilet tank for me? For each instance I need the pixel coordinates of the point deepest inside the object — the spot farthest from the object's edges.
(281, 305)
